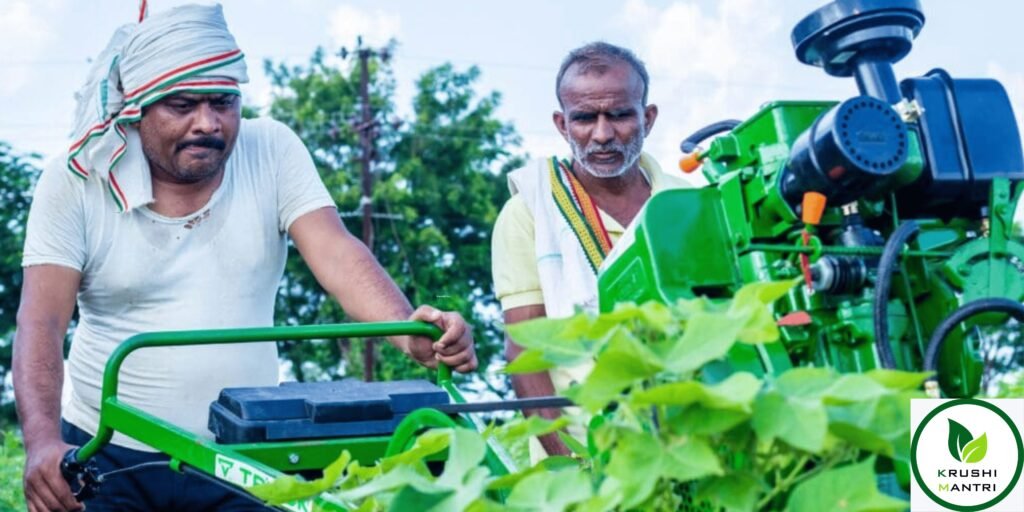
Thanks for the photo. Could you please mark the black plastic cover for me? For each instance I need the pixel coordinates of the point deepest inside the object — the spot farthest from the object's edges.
(311, 410)
(969, 136)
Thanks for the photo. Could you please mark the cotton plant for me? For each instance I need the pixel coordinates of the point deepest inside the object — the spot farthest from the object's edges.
(661, 433)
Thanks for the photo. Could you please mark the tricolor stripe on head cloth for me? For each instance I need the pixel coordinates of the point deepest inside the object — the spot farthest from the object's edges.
(184, 49)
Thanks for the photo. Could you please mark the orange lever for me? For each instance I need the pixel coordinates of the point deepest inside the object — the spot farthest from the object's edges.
(813, 207)
(691, 162)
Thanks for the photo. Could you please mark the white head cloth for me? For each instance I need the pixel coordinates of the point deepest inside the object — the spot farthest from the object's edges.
(185, 49)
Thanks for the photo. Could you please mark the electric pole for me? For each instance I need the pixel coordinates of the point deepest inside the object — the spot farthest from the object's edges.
(367, 129)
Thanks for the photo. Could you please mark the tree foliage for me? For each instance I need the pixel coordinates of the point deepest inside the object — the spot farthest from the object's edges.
(438, 183)
(17, 174)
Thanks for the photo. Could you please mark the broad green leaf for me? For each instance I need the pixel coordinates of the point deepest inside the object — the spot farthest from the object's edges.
(552, 463)
(880, 425)
(657, 315)
(469, 490)
(690, 458)
(959, 436)
(530, 360)
(734, 393)
(636, 463)
(735, 492)
(393, 480)
(850, 488)
(288, 488)
(805, 382)
(574, 445)
(708, 336)
(975, 450)
(428, 443)
(466, 451)
(899, 380)
(751, 304)
(853, 387)
(561, 340)
(697, 420)
(409, 498)
(624, 362)
(552, 491)
(608, 496)
(684, 309)
(526, 427)
(801, 423)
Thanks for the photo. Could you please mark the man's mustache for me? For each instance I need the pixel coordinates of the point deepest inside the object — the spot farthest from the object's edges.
(203, 142)
(613, 147)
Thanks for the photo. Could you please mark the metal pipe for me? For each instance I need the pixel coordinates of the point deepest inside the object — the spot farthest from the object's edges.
(250, 335)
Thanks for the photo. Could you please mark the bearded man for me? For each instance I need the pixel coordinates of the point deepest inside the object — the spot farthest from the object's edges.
(564, 215)
(169, 211)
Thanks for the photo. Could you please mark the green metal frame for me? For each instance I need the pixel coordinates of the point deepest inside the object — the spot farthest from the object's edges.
(245, 465)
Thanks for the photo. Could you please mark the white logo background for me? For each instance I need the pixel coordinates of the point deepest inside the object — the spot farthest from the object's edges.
(933, 454)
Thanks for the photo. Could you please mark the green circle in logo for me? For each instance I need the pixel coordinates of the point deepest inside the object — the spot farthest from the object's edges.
(1016, 436)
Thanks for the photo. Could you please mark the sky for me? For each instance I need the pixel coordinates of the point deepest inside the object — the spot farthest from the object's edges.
(708, 60)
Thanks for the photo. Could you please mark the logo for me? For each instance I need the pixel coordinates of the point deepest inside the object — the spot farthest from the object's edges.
(963, 446)
(966, 455)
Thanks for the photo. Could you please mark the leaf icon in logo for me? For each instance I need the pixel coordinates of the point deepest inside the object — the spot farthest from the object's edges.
(958, 439)
(975, 450)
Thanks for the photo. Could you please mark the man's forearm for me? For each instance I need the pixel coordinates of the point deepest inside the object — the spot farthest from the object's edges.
(38, 375)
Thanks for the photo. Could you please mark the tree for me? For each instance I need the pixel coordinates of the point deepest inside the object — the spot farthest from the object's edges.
(439, 185)
(17, 174)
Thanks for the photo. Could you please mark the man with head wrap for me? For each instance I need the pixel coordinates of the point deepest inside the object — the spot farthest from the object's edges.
(171, 212)
(564, 215)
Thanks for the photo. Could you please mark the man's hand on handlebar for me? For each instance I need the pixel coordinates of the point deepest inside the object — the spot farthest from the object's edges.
(45, 487)
(454, 348)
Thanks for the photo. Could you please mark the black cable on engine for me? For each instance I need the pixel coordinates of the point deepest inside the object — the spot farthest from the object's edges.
(883, 283)
(689, 144)
(975, 307)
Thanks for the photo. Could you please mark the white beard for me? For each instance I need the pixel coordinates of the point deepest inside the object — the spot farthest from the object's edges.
(630, 153)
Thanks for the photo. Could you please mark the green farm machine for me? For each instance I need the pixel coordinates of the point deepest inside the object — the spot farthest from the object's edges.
(894, 208)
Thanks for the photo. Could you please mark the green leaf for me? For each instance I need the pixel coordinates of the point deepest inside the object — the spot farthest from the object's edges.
(469, 491)
(409, 498)
(697, 420)
(850, 488)
(624, 361)
(801, 423)
(288, 488)
(805, 382)
(428, 443)
(751, 305)
(690, 458)
(959, 436)
(609, 496)
(561, 340)
(880, 425)
(708, 336)
(734, 492)
(530, 360)
(636, 463)
(899, 380)
(526, 427)
(574, 445)
(975, 450)
(552, 491)
(734, 393)
(852, 387)
(465, 453)
(395, 479)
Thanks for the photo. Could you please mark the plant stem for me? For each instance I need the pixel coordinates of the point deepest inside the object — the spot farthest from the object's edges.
(786, 482)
